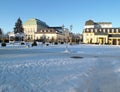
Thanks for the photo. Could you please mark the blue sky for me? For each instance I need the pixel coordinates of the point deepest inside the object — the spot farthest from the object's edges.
(59, 12)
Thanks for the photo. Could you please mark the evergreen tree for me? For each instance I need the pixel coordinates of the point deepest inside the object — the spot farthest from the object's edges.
(18, 26)
(1, 31)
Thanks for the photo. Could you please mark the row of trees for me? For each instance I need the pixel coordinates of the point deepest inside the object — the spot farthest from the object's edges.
(17, 29)
(1, 34)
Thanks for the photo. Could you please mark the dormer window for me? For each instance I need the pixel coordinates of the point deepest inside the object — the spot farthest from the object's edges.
(112, 30)
(117, 30)
(108, 30)
(91, 30)
(104, 30)
(95, 30)
(87, 30)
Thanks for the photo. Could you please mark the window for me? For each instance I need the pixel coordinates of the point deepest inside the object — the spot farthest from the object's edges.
(95, 30)
(87, 30)
(100, 30)
(104, 30)
(112, 30)
(91, 30)
(31, 37)
(116, 30)
(108, 30)
(33, 29)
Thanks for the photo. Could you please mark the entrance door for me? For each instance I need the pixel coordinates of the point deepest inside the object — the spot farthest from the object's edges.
(118, 41)
(114, 42)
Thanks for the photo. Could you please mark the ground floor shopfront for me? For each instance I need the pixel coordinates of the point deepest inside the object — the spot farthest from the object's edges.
(102, 39)
(114, 41)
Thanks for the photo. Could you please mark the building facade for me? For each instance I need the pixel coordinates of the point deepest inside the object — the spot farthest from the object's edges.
(36, 29)
(101, 33)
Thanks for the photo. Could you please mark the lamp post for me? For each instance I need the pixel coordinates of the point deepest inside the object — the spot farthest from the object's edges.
(71, 34)
(71, 28)
(66, 40)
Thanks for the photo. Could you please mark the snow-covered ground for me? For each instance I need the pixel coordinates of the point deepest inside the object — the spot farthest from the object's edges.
(51, 68)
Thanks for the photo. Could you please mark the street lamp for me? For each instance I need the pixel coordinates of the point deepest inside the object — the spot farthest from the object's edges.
(71, 34)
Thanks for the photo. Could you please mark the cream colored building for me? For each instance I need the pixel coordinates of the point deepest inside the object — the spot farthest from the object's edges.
(104, 34)
(49, 34)
(36, 29)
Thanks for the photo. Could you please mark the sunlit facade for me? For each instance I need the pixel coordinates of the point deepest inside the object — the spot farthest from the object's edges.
(36, 29)
(101, 33)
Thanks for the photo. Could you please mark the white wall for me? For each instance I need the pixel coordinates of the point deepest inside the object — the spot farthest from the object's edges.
(50, 36)
(105, 25)
(89, 26)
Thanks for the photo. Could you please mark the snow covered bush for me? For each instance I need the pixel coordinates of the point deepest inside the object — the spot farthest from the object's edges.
(3, 44)
(43, 42)
(62, 42)
(22, 43)
(34, 43)
(56, 43)
(47, 44)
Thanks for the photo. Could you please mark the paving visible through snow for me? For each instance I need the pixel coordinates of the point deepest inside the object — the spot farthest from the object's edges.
(52, 68)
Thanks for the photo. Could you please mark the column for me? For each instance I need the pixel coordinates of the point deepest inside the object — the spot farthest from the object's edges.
(117, 41)
(104, 41)
(111, 41)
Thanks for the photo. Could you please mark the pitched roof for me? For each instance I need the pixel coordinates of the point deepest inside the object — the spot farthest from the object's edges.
(35, 21)
(104, 22)
(89, 22)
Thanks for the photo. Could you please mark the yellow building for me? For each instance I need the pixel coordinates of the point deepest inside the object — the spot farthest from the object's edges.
(105, 34)
(36, 29)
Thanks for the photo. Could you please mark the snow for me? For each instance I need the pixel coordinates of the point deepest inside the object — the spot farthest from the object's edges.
(51, 68)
